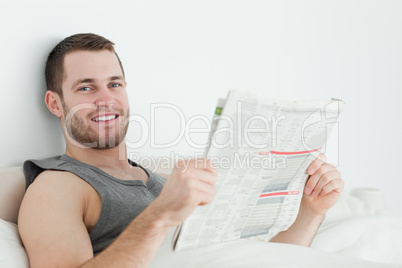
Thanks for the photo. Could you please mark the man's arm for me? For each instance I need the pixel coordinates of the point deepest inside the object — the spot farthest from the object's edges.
(51, 222)
(54, 234)
(302, 231)
(137, 244)
(321, 192)
(188, 187)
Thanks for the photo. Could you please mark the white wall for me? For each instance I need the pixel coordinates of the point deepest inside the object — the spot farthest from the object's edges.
(188, 53)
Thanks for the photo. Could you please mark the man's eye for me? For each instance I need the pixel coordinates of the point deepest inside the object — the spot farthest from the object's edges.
(84, 89)
(115, 85)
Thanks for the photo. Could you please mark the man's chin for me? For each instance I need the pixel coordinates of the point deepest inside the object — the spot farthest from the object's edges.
(98, 145)
(94, 140)
(106, 146)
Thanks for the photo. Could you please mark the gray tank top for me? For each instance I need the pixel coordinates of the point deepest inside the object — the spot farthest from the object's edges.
(122, 200)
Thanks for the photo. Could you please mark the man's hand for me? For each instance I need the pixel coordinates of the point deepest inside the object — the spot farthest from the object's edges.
(323, 187)
(188, 187)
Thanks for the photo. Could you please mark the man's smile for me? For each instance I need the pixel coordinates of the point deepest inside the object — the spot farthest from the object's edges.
(104, 118)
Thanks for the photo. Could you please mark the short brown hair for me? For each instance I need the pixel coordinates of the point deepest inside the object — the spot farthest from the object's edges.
(54, 70)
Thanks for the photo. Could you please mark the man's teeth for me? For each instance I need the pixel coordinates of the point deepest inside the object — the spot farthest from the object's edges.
(104, 118)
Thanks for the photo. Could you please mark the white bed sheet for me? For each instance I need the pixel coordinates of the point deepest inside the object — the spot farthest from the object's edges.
(243, 253)
(354, 228)
(248, 253)
(375, 238)
(353, 235)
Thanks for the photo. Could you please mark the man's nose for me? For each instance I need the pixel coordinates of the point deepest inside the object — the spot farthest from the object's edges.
(105, 97)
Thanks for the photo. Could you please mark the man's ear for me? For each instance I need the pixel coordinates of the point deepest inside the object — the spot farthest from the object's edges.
(53, 103)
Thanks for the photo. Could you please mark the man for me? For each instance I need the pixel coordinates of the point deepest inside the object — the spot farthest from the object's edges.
(94, 208)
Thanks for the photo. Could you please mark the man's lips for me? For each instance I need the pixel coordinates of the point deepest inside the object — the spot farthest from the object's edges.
(105, 117)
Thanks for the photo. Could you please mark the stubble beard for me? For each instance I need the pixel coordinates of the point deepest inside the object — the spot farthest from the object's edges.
(80, 130)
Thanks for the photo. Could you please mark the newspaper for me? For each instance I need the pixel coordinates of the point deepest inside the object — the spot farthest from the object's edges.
(262, 148)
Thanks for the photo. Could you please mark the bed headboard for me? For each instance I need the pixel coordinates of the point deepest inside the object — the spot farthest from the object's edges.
(12, 190)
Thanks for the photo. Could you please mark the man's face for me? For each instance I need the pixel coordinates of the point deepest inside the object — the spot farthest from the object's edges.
(95, 105)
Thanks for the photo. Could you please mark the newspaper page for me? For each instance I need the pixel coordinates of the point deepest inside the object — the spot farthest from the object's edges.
(262, 148)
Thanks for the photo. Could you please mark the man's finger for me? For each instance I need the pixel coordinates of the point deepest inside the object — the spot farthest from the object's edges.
(205, 176)
(313, 179)
(325, 179)
(202, 164)
(334, 185)
(316, 164)
(210, 167)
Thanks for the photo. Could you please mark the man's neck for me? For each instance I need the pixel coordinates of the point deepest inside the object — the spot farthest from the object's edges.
(113, 158)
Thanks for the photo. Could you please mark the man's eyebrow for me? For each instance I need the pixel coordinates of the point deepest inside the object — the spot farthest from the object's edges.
(117, 77)
(90, 80)
(82, 81)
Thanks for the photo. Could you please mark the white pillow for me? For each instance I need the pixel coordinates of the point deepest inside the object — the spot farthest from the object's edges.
(12, 253)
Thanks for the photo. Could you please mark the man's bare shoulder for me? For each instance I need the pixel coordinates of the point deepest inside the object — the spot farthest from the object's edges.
(59, 189)
(56, 175)
(51, 220)
(60, 184)
(54, 178)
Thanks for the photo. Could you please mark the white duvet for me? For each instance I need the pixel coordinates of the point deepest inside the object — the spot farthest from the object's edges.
(247, 253)
(375, 238)
(353, 235)
(355, 229)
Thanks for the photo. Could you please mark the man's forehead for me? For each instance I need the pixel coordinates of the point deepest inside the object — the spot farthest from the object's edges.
(90, 64)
